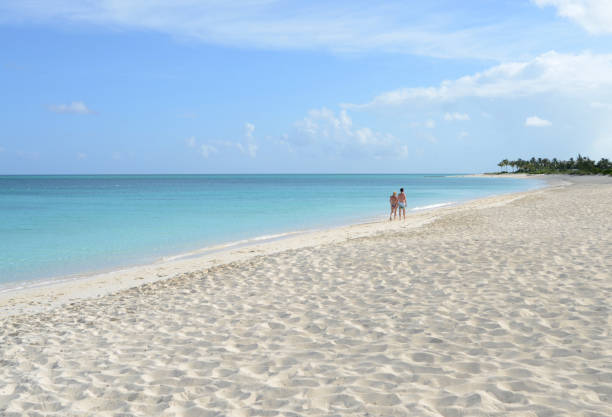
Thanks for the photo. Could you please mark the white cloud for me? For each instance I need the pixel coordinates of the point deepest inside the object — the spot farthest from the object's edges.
(448, 31)
(535, 121)
(77, 107)
(251, 149)
(463, 134)
(191, 142)
(594, 15)
(249, 128)
(81, 155)
(207, 150)
(552, 72)
(213, 146)
(285, 141)
(248, 148)
(336, 133)
(1, 149)
(449, 117)
(430, 124)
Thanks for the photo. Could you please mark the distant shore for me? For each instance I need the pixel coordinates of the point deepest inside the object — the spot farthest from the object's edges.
(508, 175)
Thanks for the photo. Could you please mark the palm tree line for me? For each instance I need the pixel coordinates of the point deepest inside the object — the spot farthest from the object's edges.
(582, 165)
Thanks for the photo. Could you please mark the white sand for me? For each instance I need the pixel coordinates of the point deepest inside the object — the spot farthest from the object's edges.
(500, 307)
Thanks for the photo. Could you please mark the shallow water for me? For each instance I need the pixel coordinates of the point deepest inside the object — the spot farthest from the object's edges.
(60, 225)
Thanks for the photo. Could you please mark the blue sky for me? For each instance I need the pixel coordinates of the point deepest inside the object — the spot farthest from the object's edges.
(262, 86)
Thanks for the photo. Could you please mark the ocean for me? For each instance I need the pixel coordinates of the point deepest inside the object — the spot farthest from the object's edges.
(54, 226)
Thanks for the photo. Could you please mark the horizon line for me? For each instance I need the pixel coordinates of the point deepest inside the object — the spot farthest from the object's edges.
(245, 173)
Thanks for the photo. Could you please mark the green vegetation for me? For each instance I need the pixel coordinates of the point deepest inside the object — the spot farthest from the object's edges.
(579, 166)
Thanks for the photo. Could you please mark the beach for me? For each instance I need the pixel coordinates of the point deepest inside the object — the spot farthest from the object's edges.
(496, 307)
(61, 226)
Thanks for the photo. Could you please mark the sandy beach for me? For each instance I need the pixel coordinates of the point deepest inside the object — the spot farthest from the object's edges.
(497, 307)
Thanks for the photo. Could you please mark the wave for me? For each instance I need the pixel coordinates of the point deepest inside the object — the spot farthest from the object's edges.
(432, 206)
(224, 246)
(7, 287)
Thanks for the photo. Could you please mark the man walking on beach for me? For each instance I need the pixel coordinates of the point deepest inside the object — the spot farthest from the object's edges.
(402, 203)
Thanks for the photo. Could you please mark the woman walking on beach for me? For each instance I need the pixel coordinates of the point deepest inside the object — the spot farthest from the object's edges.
(402, 203)
(393, 201)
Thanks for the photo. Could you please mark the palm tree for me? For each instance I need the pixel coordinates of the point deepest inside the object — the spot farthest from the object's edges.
(581, 165)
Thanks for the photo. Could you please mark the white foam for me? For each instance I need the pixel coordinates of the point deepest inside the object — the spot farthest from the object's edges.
(20, 285)
(432, 206)
(237, 243)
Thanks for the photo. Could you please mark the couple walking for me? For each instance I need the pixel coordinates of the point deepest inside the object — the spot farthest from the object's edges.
(398, 201)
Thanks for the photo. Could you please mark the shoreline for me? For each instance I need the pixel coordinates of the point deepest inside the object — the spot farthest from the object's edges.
(496, 307)
(34, 296)
(114, 225)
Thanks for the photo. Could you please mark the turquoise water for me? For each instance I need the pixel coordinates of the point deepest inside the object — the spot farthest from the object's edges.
(60, 225)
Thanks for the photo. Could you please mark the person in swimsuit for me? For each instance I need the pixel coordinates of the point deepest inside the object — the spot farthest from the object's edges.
(402, 203)
(393, 201)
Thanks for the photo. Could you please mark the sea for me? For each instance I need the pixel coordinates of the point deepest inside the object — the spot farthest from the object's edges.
(59, 226)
